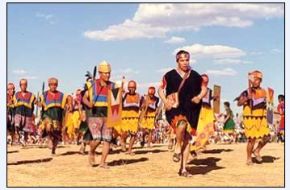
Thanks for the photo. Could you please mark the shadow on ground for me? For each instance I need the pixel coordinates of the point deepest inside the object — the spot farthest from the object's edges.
(30, 161)
(265, 159)
(216, 151)
(203, 166)
(13, 151)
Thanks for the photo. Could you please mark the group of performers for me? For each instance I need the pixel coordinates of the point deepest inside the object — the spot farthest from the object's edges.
(185, 99)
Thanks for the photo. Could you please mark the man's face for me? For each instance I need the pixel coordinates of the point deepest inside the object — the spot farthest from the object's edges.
(23, 85)
(205, 79)
(151, 92)
(183, 62)
(10, 90)
(131, 87)
(256, 82)
(53, 86)
(105, 76)
(78, 95)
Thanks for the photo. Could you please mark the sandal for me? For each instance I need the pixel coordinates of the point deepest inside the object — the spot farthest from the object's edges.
(185, 174)
(176, 157)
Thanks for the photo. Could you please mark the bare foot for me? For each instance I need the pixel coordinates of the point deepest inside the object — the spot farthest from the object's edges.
(258, 157)
(91, 159)
(249, 162)
(104, 166)
(130, 153)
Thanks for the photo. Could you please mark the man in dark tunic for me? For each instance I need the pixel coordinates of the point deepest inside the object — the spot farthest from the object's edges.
(182, 103)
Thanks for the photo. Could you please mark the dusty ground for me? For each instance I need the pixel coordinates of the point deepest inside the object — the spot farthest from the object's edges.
(218, 166)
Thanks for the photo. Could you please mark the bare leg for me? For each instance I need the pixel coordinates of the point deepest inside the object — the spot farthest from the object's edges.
(105, 152)
(123, 141)
(93, 146)
(179, 137)
(149, 137)
(132, 140)
(184, 151)
(250, 147)
(261, 144)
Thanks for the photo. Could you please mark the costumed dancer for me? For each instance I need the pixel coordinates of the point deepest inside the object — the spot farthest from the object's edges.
(96, 99)
(253, 101)
(281, 112)
(229, 125)
(183, 88)
(205, 127)
(149, 105)
(130, 116)
(53, 103)
(24, 106)
(10, 112)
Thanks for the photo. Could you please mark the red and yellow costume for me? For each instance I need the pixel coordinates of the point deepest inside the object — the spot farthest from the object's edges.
(24, 106)
(148, 121)
(130, 113)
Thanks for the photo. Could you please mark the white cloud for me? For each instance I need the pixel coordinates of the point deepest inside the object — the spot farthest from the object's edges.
(155, 20)
(19, 71)
(275, 51)
(192, 61)
(164, 70)
(127, 30)
(212, 51)
(256, 53)
(29, 77)
(47, 17)
(223, 72)
(175, 40)
(231, 61)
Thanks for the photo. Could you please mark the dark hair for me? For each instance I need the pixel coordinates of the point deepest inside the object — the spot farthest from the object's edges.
(227, 104)
(281, 97)
(181, 52)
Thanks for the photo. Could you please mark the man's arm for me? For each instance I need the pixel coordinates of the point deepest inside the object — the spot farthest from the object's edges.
(198, 98)
(86, 101)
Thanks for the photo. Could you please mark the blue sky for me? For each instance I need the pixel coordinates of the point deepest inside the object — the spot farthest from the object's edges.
(226, 41)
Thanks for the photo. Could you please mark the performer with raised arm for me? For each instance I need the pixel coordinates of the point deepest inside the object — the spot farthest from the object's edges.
(253, 101)
(130, 116)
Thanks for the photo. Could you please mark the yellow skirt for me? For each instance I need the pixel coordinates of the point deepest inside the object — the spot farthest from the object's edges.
(204, 128)
(72, 122)
(255, 123)
(148, 121)
(129, 122)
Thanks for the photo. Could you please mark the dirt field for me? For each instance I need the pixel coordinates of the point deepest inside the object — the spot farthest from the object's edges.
(218, 166)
